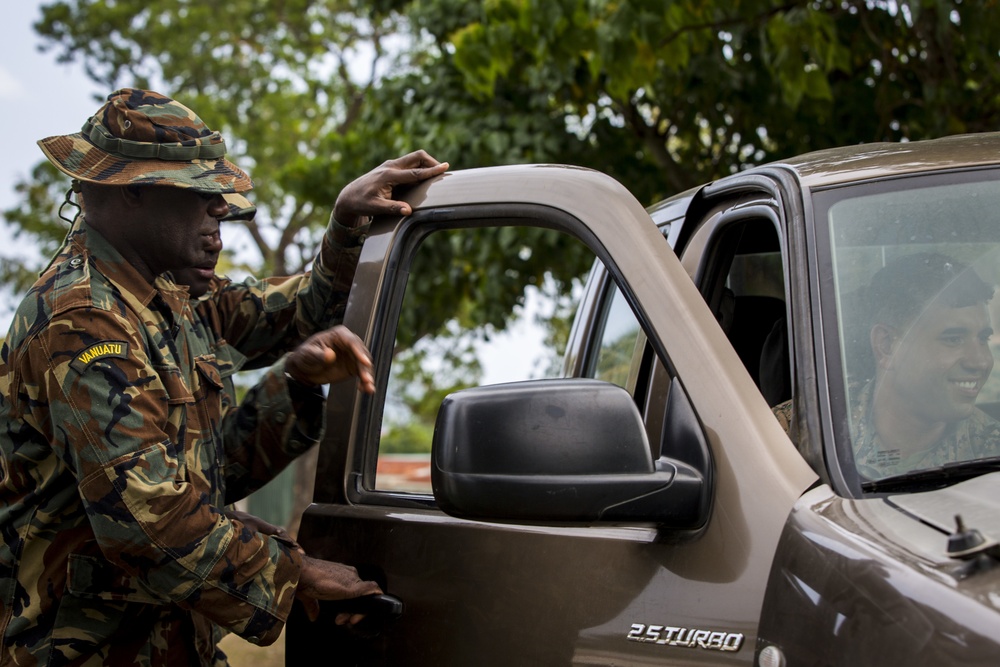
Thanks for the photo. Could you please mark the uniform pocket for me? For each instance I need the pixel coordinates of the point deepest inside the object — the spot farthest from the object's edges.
(228, 360)
(209, 371)
(209, 392)
(177, 390)
(90, 577)
(210, 399)
(179, 400)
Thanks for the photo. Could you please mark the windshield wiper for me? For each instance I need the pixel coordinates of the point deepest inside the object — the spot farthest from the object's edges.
(940, 476)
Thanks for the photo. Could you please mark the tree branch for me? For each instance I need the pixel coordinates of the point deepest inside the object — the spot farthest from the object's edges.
(718, 25)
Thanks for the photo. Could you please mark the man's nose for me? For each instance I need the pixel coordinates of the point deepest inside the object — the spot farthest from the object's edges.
(213, 242)
(218, 207)
(979, 355)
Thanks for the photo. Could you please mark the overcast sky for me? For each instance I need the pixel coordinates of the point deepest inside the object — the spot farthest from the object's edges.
(38, 98)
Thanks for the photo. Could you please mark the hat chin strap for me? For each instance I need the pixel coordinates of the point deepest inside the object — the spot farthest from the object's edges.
(209, 147)
(68, 201)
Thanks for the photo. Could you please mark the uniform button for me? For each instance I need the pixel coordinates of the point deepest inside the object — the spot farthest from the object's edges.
(280, 417)
(76, 262)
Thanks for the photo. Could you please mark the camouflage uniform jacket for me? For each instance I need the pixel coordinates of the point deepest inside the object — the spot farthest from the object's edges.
(121, 445)
(975, 437)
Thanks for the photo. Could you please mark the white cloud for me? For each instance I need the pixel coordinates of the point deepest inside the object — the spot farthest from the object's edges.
(10, 87)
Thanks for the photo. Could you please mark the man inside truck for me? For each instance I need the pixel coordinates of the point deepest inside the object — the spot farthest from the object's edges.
(928, 332)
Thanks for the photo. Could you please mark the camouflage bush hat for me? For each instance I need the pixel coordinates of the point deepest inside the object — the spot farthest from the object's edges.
(240, 208)
(143, 138)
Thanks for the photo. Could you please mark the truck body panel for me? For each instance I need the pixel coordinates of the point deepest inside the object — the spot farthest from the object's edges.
(797, 554)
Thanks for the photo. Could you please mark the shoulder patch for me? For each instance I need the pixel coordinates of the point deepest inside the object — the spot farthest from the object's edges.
(102, 350)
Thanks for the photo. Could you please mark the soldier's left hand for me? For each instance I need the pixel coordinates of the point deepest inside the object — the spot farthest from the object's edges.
(330, 356)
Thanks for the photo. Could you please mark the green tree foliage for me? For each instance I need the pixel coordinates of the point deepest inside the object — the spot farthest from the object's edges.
(663, 95)
(41, 217)
(489, 269)
(668, 95)
(422, 377)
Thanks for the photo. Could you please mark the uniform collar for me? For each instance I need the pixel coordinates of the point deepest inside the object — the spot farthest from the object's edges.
(90, 243)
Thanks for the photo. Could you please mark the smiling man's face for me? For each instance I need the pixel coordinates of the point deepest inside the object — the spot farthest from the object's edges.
(939, 365)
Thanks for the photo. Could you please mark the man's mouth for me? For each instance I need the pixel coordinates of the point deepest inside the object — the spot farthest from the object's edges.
(970, 387)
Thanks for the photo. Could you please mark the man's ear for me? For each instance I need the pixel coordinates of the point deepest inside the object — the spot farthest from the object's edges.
(883, 340)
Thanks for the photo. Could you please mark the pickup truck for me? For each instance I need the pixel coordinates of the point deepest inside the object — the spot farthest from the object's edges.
(681, 479)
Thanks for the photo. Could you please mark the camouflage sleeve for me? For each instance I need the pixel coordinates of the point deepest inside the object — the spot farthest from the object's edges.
(785, 414)
(276, 422)
(263, 319)
(133, 435)
(333, 273)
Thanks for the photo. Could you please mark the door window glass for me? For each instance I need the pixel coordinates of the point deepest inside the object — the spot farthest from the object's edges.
(758, 326)
(620, 350)
(481, 306)
(751, 305)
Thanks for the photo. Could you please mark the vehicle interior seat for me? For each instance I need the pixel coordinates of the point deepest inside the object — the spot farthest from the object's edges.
(775, 367)
(759, 333)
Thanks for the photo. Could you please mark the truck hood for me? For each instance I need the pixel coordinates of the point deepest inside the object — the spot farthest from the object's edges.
(976, 501)
(870, 580)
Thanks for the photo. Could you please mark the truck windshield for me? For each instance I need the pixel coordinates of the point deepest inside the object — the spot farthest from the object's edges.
(915, 263)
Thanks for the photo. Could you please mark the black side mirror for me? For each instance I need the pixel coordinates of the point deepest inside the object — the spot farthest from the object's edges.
(568, 451)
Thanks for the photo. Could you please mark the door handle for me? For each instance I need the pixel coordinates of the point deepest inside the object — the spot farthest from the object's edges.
(379, 610)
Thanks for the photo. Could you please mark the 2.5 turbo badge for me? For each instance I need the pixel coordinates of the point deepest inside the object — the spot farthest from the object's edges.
(666, 635)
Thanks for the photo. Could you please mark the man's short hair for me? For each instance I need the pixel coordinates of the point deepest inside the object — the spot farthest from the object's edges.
(903, 288)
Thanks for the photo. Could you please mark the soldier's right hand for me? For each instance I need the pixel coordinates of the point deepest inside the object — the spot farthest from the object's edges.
(330, 356)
